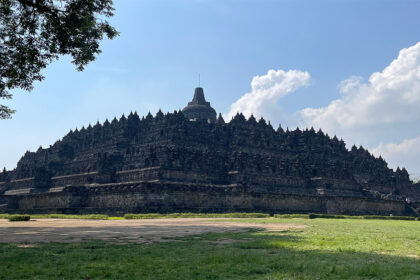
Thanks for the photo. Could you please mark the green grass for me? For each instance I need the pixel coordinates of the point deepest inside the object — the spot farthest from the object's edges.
(325, 249)
(60, 216)
(196, 215)
(262, 215)
(334, 216)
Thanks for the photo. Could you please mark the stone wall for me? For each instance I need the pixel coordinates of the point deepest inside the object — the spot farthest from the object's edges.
(20, 183)
(231, 177)
(135, 175)
(117, 199)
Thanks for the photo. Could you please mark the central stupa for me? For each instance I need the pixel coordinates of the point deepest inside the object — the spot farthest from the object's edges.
(199, 108)
(189, 162)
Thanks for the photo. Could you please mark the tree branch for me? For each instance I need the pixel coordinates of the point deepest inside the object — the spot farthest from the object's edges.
(49, 9)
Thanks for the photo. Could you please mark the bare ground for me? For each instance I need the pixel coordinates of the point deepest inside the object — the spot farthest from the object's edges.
(140, 231)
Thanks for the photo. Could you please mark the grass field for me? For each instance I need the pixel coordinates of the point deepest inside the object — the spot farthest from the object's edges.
(326, 249)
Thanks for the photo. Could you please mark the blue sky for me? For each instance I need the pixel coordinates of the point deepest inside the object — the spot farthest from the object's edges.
(164, 45)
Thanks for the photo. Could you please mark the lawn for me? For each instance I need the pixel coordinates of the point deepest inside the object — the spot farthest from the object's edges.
(326, 249)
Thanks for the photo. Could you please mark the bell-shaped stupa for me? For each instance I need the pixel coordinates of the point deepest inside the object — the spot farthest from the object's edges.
(199, 108)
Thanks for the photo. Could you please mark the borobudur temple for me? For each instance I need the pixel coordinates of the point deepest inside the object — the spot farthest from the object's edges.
(194, 161)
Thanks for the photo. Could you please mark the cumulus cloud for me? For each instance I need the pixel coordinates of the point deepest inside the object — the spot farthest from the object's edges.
(389, 97)
(266, 91)
(350, 85)
(405, 153)
(385, 109)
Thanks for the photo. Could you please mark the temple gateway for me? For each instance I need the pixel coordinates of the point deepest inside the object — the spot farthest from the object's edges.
(194, 161)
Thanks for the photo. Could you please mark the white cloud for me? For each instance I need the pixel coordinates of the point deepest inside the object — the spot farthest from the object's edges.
(385, 109)
(265, 93)
(405, 154)
(350, 85)
(389, 97)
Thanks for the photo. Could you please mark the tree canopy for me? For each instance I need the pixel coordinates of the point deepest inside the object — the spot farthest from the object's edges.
(34, 33)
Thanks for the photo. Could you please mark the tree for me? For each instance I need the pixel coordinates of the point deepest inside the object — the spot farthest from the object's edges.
(34, 33)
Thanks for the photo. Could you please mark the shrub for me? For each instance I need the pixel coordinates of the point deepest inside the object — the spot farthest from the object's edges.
(16, 218)
(377, 217)
(326, 216)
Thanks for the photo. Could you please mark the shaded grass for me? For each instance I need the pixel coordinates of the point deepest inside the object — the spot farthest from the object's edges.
(326, 249)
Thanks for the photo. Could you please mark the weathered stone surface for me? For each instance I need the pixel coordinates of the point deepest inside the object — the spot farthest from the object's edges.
(199, 108)
(202, 151)
(117, 199)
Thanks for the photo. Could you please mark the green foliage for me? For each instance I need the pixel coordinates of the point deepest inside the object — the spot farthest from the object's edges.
(19, 218)
(333, 216)
(58, 216)
(35, 33)
(142, 216)
(287, 216)
(326, 216)
(325, 249)
(196, 215)
(67, 216)
(376, 217)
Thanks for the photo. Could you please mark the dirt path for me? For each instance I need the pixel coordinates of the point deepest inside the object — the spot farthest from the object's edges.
(141, 231)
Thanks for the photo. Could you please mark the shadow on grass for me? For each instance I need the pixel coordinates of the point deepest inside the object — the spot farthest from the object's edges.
(249, 255)
(124, 233)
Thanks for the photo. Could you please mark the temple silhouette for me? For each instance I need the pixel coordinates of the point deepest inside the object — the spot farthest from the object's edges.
(192, 160)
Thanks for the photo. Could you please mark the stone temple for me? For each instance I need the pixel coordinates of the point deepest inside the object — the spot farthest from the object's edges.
(193, 161)
(199, 108)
